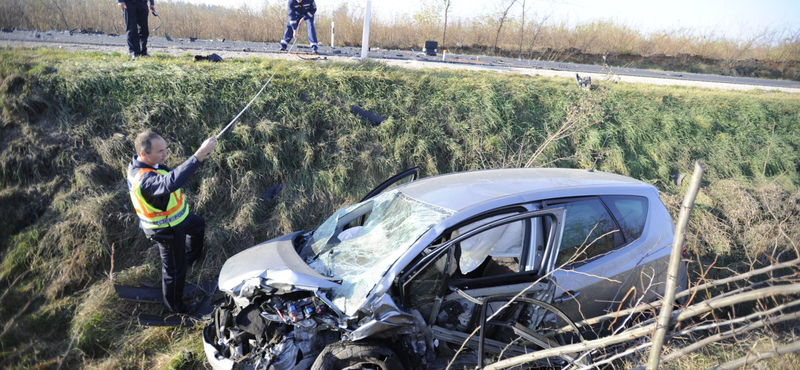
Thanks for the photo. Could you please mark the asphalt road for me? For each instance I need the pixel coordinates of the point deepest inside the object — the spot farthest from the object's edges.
(409, 58)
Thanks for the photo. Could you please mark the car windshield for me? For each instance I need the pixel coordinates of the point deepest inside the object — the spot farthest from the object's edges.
(361, 255)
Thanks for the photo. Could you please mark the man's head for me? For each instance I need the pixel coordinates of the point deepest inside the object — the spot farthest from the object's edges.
(151, 148)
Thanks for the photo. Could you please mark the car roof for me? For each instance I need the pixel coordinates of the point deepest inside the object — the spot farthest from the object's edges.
(457, 191)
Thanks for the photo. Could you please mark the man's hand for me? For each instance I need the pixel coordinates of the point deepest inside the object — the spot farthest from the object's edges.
(123, 6)
(299, 23)
(208, 146)
(152, 8)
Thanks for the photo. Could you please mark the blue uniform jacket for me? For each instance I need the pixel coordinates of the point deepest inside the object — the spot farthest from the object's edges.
(156, 188)
(302, 9)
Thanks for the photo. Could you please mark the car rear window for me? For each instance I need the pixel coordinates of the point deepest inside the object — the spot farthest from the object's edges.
(630, 212)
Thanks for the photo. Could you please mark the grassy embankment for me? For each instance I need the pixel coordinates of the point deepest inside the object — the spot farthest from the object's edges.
(67, 220)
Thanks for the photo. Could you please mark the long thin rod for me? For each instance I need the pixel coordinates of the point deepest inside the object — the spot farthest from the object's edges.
(259, 93)
(672, 270)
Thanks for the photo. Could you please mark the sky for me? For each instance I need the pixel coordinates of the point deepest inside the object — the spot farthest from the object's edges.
(735, 19)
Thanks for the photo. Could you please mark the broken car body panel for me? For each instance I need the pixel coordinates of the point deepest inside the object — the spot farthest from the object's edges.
(273, 264)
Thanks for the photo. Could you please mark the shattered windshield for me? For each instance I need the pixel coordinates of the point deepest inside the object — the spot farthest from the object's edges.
(361, 254)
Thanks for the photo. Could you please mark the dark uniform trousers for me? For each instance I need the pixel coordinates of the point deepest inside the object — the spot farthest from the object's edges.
(136, 26)
(179, 245)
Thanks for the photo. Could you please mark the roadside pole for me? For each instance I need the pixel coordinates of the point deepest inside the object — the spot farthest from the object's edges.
(333, 34)
(365, 35)
(672, 270)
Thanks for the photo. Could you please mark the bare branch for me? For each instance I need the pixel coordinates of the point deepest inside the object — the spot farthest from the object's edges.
(749, 360)
(728, 334)
(711, 284)
(692, 311)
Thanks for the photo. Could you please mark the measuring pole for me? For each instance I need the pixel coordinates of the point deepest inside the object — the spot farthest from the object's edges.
(333, 34)
(365, 35)
(259, 91)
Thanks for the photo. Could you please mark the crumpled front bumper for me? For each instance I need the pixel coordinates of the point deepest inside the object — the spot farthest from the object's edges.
(217, 361)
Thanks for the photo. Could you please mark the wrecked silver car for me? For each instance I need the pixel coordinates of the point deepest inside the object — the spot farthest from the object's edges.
(403, 278)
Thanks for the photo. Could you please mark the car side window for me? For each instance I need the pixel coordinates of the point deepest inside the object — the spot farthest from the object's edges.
(589, 230)
(630, 212)
(494, 251)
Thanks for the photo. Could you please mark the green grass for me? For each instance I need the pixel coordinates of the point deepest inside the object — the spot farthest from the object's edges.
(61, 157)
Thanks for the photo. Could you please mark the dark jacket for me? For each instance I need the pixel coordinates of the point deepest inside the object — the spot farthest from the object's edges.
(303, 9)
(156, 188)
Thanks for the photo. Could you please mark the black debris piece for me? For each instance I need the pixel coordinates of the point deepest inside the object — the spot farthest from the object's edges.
(677, 178)
(154, 294)
(337, 51)
(210, 58)
(368, 116)
(113, 34)
(7, 30)
(92, 31)
(192, 39)
(166, 36)
(271, 192)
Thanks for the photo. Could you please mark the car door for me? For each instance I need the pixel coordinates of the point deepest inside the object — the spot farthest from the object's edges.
(602, 263)
(410, 174)
(449, 300)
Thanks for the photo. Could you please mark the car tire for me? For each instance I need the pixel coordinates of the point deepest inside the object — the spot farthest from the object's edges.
(349, 355)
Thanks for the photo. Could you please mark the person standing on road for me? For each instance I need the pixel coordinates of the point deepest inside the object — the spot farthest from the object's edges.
(164, 216)
(300, 9)
(135, 14)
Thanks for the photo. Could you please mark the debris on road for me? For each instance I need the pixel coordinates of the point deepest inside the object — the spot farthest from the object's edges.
(210, 58)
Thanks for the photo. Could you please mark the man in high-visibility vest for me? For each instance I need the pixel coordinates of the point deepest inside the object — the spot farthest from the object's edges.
(163, 211)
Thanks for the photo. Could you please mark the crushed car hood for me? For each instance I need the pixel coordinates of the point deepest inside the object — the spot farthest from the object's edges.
(274, 264)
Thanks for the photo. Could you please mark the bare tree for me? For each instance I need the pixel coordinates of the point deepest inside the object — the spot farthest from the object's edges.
(446, 10)
(521, 30)
(503, 17)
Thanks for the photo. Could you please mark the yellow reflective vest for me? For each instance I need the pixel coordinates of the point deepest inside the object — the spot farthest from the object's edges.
(152, 217)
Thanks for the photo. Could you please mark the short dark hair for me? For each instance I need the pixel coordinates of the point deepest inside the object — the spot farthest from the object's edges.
(144, 141)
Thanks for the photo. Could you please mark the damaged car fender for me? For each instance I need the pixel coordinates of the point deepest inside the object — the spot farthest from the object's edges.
(273, 265)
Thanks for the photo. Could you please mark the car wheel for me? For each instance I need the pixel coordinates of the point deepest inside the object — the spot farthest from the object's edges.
(355, 356)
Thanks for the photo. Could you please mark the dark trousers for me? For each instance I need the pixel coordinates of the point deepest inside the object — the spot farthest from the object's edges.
(136, 26)
(312, 31)
(179, 246)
